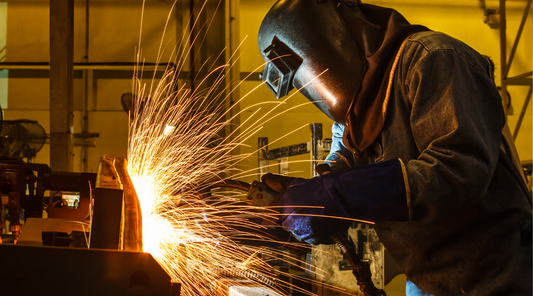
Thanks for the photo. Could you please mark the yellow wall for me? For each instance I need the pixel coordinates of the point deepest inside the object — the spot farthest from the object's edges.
(114, 34)
(113, 37)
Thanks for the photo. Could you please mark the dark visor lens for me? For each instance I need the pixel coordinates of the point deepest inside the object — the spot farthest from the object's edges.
(273, 77)
(280, 70)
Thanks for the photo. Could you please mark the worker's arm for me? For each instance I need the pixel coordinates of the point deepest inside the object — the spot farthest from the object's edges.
(456, 123)
(339, 157)
(314, 209)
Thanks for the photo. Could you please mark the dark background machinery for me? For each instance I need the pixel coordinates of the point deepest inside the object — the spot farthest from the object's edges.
(105, 258)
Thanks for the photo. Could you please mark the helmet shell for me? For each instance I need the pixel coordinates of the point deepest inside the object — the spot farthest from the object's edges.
(331, 64)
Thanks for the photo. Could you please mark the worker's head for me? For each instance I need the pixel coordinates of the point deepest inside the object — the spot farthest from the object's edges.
(307, 45)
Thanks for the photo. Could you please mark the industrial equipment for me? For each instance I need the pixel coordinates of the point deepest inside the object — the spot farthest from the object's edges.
(21, 138)
(106, 208)
(91, 241)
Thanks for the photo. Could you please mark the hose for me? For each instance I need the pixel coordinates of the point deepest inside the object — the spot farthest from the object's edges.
(361, 270)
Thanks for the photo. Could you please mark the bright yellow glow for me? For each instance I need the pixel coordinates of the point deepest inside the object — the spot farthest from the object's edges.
(168, 130)
(175, 152)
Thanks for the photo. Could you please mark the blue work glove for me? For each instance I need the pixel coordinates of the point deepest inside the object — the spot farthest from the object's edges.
(315, 209)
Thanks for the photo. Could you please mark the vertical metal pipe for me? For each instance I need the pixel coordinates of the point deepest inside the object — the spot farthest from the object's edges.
(191, 46)
(522, 113)
(132, 214)
(261, 157)
(517, 39)
(234, 71)
(61, 84)
(503, 54)
(84, 111)
(107, 206)
(316, 147)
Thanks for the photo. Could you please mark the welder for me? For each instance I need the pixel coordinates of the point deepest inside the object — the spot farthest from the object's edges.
(420, 146)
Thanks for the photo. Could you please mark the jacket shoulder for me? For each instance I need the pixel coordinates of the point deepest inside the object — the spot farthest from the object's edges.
(434, 41)
(431, 43)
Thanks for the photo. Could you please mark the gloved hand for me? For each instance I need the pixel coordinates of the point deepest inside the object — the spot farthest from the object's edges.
(304, 204)
(314, 209)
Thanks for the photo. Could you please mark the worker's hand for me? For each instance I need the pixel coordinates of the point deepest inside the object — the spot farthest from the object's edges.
(277, 183)
(308, 211)
(314, 209)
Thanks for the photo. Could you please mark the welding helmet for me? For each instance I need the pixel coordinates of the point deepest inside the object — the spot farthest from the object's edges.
(307, 45)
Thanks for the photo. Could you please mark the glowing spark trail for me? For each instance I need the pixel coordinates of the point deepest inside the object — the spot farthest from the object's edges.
(192, 234)
(175, 152)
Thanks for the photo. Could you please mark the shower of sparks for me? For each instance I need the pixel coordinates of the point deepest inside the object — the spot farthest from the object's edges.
(181, 142)
(175, 152)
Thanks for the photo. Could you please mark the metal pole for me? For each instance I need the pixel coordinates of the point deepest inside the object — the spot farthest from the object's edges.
(261, 156)
(85, 104)
(517, 39)
(316, 147)
(191, 48)
(233, 72)
(283, 166)
(522, 113)
(503, 55)
(61, 84)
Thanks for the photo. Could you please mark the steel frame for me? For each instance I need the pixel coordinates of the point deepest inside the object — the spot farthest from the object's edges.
(522, 79)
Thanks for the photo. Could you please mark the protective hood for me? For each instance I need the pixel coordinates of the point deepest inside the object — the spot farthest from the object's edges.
(355, 43)
(306, 44)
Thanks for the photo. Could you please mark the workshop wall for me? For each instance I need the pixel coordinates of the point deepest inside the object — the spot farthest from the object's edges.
(114, 35)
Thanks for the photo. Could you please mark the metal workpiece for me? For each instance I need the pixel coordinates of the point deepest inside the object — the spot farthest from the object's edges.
(368, 248)
(361, 270)
(107, 173)
(82, 272)
(106, 221)
(107, 207)
(116, 187)
(132, 214)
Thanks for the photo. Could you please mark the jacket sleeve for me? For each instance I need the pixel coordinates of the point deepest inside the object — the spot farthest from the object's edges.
(311, 208)
(456, 122)
(338, 157)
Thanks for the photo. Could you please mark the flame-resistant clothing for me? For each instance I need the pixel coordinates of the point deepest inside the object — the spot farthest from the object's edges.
(470, 229)
(457, 217)
(313, 209)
